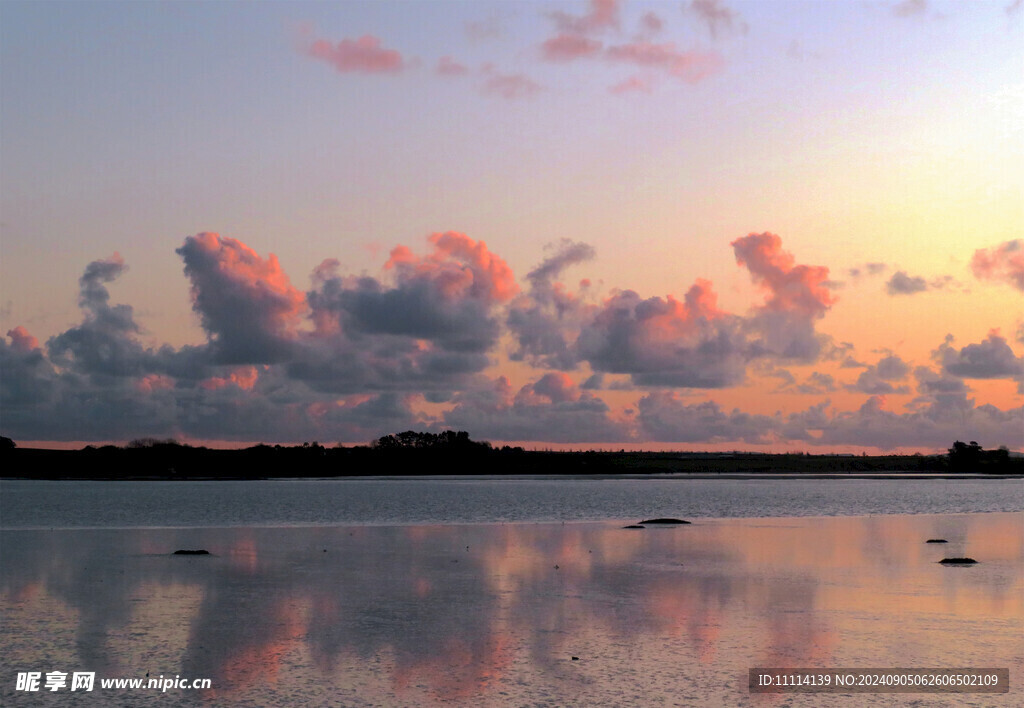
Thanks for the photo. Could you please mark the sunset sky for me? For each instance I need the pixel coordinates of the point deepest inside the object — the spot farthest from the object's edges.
(703, 224)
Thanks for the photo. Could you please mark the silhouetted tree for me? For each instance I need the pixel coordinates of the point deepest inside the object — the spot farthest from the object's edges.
(447, 440)
(964, 457)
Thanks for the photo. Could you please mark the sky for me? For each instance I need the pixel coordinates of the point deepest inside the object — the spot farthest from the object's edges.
(697, 225)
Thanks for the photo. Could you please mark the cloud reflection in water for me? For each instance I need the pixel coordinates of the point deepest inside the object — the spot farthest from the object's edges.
(495, 613)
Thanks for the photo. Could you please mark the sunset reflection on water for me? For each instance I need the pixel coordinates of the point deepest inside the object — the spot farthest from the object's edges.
(494, 614)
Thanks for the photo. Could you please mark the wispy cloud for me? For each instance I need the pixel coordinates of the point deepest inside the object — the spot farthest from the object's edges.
(362, 55)
(510, 86)
(566, 47)
(717, 17)
(602, 15)
(446, 66)
(689, 66)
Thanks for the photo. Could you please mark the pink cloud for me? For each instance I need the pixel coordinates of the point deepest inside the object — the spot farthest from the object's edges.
(603, 14)
(154, 382)
(717, 17)
(1004, 262)
(243, 377)
(458, 268)
(688, 66)
(556, 387)
(566, 47)
(446, 66)
(21, 340)
(792, 288)
(363, 55)
(665, 341)
(247, 304)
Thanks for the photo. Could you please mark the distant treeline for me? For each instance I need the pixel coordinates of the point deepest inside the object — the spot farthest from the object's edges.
(454, 453)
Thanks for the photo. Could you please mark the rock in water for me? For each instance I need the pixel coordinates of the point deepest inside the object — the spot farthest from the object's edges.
(197, 552)
(633, 526)
(958, 561)
(936, 540)
(664, 521)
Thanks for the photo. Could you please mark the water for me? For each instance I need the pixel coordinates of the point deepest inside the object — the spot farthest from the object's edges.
(497, 591)
(493, 614)
(398, 501)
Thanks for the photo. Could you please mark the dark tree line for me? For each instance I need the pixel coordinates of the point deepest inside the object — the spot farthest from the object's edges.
(970, 457)
(454, 452)
(448, 440)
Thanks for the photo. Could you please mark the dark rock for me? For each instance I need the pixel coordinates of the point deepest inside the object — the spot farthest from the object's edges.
(575, 658)
(664, 521)
(936, 540)
(197, 552)
(958, 561)
(633, 526)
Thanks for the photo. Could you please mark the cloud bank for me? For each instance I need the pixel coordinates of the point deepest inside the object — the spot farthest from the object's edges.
(424, 345)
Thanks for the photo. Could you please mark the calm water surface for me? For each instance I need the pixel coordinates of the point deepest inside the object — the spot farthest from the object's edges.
(493, 614)
(479, 592)
(34, 504)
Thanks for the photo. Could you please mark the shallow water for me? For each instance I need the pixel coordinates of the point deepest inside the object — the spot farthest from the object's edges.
(493, 614)
(106, 504)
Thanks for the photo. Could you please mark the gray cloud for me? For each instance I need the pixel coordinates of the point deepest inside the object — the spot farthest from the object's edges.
(871, 268)
(817, 383)
(664, 417)
(28, 377)
(719, 19)
(246, 304)
(991, 358)
(663, 342)
(551, 409)
(902, 284)
(878, 379)
(545, 320)
(952, 417)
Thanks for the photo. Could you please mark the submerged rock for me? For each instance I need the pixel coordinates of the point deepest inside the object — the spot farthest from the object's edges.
(936, 540)
(633, 526)
(958, 561)
(197, 552)
(664, 521)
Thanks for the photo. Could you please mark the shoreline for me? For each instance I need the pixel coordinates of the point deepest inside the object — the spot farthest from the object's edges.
(169, 461)
(599, 476)
(596, 524)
